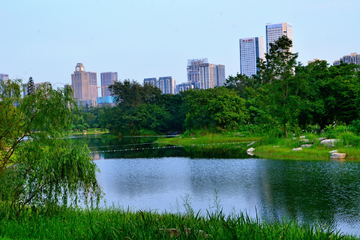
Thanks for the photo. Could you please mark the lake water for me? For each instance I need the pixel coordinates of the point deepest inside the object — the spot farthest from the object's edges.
(324, 192)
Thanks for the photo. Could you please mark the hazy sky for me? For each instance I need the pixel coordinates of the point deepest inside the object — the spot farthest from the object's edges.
(154, 38)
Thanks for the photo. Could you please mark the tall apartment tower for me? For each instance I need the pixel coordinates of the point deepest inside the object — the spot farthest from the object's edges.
(251, 49)
(80, 83)
(274, 31)
(151, 81)
(167, 85)
(107, 79)
(211, 75)
(93, 85)
(193, 69)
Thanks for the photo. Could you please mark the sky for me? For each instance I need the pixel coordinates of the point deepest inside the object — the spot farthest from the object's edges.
(155, 38)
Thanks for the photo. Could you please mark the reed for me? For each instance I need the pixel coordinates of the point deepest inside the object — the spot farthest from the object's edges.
(118, 223)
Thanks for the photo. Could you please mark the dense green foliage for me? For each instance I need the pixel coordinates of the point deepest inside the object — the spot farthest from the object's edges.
(121, 224)
(38, 163)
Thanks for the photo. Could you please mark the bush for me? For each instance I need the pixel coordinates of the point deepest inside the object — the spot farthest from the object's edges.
(350, 139)
(355, 127)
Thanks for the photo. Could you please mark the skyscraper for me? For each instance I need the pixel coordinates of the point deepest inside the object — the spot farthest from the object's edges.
(93, 85)
(211, 75)
(193, 72)
(167, 85)
(250, 50)
(151, 81)
(80, 84)
(274, 31)
(107, 79)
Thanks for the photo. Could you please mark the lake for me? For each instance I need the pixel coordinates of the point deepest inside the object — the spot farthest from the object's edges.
(142, 176)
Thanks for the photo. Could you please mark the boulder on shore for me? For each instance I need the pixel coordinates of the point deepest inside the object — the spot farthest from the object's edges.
(338, 155)
(306, 145)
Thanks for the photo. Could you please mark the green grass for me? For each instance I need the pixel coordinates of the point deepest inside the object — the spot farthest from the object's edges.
(208, 139)
(116, 223)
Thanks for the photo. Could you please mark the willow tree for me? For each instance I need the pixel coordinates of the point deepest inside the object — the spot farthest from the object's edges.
(280, 87)
(39, 164)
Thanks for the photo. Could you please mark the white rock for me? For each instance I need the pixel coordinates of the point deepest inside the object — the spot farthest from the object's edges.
(297, 149)
(338, 155)
(333, 151)
(330, 142)
(304, 140)
(306, 145)
(302, 136)
(250, 150)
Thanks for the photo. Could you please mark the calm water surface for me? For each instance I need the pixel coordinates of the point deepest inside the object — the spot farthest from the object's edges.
(325, 192)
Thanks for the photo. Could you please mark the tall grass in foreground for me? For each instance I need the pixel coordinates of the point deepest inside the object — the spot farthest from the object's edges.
(114, 223)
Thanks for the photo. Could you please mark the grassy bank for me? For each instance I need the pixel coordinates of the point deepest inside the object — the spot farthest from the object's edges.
(207, 139)
(268, 146)
(91, 131)
(121, 224)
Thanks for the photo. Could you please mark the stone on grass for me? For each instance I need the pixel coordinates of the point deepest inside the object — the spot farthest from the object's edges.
(333, 151)
(338, 155)
(306, 145)
(297, 149)
(329, 142)
(302, 136)
(304, 140)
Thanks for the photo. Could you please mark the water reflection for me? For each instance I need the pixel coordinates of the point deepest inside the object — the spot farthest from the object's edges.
(310, 191)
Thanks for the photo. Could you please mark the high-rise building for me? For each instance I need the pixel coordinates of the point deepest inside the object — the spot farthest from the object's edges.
(352, 58)
(167, 85)
(274, 31)
(81, 84)
(193, 69)
(184, 86)
(312, 61)
(4, 77)
(93, 85)
(151, 81)
(107, 79)
(251, 49)
(211, 75)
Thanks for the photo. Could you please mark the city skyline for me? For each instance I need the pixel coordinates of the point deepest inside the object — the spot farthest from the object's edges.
(33, 47)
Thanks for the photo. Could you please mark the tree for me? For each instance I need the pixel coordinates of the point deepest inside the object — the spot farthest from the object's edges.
(38, 163)
(279, 85)
(214, 108)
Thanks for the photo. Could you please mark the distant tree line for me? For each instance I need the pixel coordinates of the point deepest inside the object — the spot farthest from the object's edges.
(283, 95)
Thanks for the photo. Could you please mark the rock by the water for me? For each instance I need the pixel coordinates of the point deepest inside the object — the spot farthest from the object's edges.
(338, 155)
(250, 150)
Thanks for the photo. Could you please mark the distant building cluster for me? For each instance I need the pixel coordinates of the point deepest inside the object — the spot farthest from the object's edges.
(200, 75)
(352, 58)
(85, 87)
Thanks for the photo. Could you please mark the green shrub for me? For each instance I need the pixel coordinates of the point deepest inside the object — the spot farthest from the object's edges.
(350, 139)
(355, 126)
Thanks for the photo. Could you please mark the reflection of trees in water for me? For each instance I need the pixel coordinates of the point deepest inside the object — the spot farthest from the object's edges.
(311, 191)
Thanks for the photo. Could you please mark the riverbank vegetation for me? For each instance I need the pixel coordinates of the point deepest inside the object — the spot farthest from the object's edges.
(115, 223)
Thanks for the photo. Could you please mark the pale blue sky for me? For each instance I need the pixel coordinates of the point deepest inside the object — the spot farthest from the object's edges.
(140, 39)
